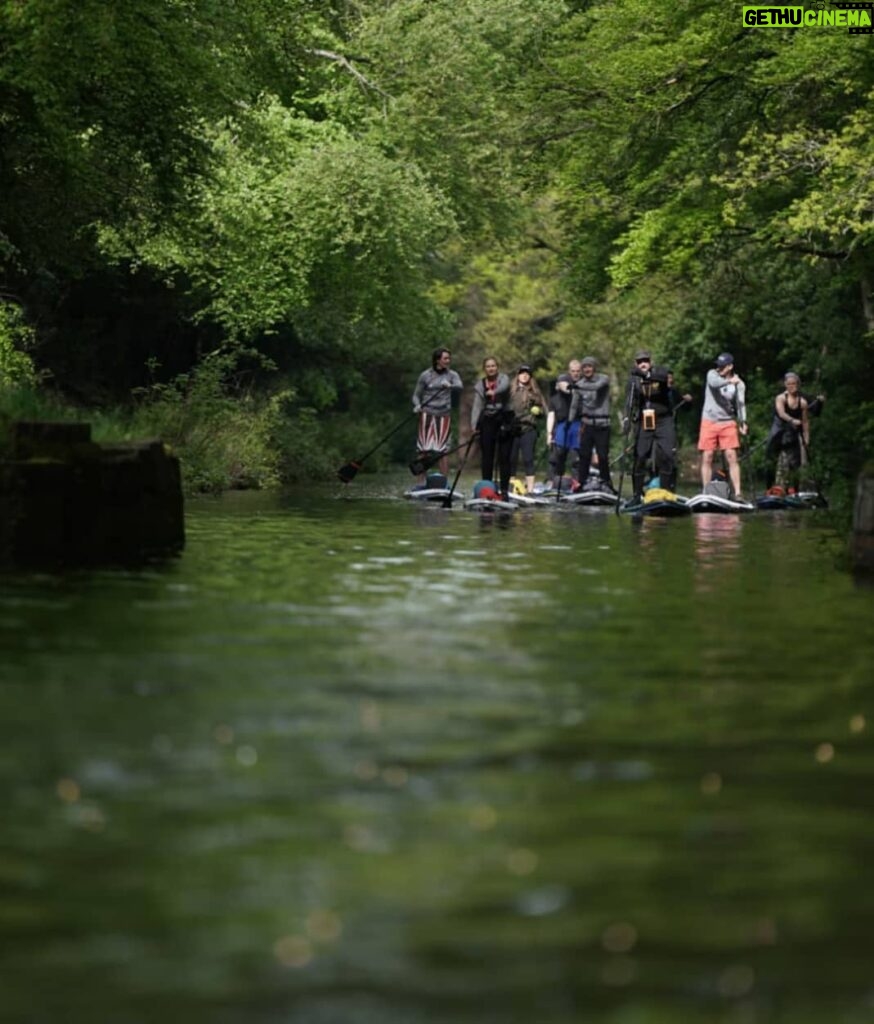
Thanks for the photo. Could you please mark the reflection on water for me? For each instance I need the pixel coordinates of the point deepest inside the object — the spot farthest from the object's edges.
(353, 760)
(717, 548)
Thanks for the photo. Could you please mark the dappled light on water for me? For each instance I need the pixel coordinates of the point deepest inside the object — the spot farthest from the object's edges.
(350, 760)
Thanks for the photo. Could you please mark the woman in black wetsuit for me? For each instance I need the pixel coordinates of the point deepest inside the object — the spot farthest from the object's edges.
(789, 438)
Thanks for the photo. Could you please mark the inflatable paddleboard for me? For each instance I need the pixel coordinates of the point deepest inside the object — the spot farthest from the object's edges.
(593, 497)
(662, 508)
(715, 503)
(490, 505)
(801, 500)
(430, 494)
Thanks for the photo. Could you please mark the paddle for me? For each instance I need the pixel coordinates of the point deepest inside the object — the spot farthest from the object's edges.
(804, 445)
(447, 501)
(426, 461)
(347, 472)
(749, 451)
(629, 408)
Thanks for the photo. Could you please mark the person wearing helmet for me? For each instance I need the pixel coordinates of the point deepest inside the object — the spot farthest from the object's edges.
(527, 403)
(723, 419)
(591, 406)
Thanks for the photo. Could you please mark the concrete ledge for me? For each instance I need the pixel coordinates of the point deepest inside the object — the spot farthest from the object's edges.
(65, 500)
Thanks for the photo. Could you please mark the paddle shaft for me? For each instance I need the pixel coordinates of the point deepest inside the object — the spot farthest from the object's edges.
(347, 472)
(447, 501)
(427, 461)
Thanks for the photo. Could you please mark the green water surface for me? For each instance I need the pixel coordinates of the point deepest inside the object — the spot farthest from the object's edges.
(351, 760)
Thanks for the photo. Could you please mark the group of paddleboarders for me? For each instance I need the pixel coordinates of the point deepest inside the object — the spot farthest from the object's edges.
(506, 413)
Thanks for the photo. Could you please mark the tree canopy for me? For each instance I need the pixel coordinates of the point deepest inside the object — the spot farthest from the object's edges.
(344, 185)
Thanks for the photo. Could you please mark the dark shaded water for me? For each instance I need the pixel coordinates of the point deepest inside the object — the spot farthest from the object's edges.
(352, 761)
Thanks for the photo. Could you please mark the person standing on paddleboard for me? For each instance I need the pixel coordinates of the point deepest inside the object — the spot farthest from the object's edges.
(723, 419)
(527, 403)
(648, 409)
(562, 433)
(432, 400)
(591, 406)
(489, 417)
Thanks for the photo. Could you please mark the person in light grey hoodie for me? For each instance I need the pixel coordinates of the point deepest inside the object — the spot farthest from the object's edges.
(723, 420)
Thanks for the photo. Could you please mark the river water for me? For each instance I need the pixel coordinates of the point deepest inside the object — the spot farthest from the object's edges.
(350, 760)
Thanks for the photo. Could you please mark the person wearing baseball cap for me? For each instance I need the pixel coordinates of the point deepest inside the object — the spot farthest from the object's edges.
(723, 420)
(648, 407)
(527, 402)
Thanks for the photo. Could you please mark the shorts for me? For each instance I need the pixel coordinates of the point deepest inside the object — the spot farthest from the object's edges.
(564, 437)
(718, 436)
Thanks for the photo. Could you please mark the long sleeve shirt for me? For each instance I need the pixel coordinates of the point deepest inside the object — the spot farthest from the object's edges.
(434, 390)
(647, 391)
(489, 400)
(591, 398)
(723, 401)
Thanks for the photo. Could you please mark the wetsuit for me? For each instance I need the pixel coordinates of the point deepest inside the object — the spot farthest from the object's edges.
(648, 408)
(784, 451)
(490, 415)
(591, 404)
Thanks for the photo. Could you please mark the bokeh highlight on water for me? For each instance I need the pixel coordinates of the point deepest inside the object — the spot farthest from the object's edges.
(353, 760)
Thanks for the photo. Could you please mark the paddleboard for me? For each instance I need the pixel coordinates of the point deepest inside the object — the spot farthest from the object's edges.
(714, 503)
(801, 500)
(490, 505)
(589, 498)
(430, 494)
(664, 508)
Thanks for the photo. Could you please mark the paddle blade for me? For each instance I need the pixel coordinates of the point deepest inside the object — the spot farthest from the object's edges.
(347, 473)
(425, 462)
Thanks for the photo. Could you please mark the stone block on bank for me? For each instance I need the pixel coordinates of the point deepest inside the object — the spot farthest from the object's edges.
(65, 500)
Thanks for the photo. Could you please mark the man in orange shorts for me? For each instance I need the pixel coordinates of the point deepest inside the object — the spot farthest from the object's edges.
(724, 415)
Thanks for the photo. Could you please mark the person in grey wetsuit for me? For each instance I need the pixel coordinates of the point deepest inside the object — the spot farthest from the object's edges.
(432, 400)
(591, 406)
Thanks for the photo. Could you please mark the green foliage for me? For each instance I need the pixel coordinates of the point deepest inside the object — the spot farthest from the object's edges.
(222, 433)
(448, 81)
(345, 185)
(16, 366)
(305, 229)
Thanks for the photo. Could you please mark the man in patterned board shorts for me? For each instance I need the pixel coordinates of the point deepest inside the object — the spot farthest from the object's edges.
(723, 418)
(432, 400)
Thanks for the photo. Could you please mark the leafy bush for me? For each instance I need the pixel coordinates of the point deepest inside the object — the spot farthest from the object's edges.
(16, 366)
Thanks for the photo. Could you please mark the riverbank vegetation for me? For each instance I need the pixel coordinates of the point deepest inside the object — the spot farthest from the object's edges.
(244, 228)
